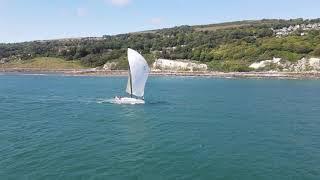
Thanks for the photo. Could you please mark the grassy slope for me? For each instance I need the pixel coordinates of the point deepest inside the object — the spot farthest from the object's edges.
(213, 27)
(44, 63)
(221, 26)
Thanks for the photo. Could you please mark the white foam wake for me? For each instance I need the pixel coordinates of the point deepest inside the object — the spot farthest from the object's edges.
(101, 101)
(124, 100)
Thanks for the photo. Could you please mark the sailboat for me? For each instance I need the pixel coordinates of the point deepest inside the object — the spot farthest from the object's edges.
(137, 78)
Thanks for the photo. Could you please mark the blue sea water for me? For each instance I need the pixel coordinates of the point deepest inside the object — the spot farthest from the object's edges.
(58, 127)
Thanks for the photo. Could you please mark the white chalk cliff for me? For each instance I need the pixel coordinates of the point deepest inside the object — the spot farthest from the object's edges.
(304, 64)
(178, 65)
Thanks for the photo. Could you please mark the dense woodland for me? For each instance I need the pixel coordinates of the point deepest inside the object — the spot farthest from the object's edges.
(224, 47)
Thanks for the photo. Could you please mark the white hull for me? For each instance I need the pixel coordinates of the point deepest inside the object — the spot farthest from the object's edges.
(127, 100)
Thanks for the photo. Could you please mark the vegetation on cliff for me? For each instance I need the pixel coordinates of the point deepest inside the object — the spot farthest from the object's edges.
(224, 47)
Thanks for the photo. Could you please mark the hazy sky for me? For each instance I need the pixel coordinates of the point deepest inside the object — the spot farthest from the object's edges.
(24, 20)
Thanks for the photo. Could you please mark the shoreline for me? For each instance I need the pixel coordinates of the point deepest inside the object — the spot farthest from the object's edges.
(104, 73)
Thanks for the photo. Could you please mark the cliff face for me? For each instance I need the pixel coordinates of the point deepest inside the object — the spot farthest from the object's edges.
(109, 66)
(263, 64)
(303, 65)
(167, 65)
(312, 64)
(173, 65)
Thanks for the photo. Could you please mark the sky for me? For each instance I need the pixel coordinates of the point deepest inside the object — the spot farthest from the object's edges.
(27, 20)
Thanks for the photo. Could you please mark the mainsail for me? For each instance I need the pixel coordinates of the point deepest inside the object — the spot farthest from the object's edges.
(138, 73)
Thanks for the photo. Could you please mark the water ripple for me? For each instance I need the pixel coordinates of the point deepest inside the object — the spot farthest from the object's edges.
(55, 127)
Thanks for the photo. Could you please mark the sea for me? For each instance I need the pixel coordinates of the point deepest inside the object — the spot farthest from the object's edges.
(65, 127)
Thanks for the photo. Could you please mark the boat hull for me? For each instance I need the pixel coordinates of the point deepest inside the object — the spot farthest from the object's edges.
(128, 100)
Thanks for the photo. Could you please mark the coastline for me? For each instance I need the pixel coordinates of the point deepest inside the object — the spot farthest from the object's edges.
(91, 72)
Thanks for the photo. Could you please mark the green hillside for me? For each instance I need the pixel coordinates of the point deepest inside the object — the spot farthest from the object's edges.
(230, 46)
(44, 63)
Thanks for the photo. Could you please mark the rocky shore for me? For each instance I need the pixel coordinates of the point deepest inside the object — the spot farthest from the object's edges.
(93, 72)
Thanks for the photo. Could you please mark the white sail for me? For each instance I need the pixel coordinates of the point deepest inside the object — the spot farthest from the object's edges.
(139, 71)
(129, 83)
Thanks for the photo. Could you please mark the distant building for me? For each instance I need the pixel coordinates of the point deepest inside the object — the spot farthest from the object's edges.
(285, 31)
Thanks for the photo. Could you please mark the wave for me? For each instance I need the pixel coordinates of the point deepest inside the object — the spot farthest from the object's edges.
(157, 102)
(54, 99)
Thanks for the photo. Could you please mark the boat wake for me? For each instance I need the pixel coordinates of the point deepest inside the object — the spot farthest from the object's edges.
(114, 101)
(102, 101)
(123, 100)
